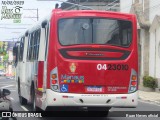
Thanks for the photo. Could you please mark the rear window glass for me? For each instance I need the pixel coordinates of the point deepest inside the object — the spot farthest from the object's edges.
(95, 31)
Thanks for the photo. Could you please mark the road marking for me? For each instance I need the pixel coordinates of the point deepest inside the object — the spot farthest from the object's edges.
(24, 108)
(7, 86)
(148, 102)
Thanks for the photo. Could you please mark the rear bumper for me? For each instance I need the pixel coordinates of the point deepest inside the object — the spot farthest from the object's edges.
(86, 100)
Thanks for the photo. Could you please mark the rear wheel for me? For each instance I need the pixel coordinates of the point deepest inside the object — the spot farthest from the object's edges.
(34, 107)
(22, 100)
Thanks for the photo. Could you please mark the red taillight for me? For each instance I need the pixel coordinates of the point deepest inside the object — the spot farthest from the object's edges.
(54, 84)
(134, 83)
(54, 81)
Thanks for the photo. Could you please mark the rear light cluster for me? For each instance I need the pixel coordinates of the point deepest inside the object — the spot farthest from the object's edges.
(54, 80)
(133, 82)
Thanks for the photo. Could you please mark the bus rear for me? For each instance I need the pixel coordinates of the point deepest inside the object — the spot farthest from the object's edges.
(94, 61)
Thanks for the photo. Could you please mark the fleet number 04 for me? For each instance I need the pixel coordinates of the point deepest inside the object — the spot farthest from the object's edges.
(112, 67)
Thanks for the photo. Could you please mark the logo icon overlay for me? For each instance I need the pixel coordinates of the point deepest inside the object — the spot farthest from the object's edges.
(72, 67)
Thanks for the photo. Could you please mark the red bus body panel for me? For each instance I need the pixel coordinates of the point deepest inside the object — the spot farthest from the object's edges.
(84, 59)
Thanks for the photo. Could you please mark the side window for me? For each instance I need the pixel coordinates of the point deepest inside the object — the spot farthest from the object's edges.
(21, 49)
(18, 53)
(36, 44)
(33, 45)
(46, 39)
(29, 38)
(126, 30)
(15, 54)
(29, 50)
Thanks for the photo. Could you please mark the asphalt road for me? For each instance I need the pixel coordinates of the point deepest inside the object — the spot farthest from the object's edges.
(142, 106)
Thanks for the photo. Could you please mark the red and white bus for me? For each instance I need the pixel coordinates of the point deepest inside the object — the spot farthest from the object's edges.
(79, 58)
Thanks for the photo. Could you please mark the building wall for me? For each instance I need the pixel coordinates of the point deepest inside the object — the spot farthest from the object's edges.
(142, 40)
(96, 5)
(154, 62)
(152, 56)
(154, 9)
(157, 40)
(110, 5)
(125, 6)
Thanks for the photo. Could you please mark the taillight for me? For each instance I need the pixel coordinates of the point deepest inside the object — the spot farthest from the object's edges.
(133, 81)
(54, 80)
(53, 76)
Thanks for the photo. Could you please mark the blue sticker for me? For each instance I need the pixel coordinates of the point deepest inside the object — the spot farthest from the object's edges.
(64, 88)
(76, 81)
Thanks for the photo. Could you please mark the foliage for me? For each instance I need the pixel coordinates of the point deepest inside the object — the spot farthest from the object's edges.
(1, 67)
(149, 81)
(5, 57)
(3, 47)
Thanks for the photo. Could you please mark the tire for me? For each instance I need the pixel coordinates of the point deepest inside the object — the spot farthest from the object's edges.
(34, 107)
(22, 100)
(34, 102)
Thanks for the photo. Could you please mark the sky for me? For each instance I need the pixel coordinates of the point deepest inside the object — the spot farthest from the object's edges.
(11, 31)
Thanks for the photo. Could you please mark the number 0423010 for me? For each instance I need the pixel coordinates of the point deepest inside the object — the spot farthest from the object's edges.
(112, 67)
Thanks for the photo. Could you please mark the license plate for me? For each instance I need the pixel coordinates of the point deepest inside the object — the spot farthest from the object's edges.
(97, 89)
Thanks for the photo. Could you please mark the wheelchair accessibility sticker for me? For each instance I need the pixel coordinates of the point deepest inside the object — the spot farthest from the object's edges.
(64, 88)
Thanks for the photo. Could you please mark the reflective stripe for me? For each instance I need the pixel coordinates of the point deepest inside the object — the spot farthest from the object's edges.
(40, 89)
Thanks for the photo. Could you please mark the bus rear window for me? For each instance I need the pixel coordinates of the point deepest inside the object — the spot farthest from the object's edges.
(95, 31)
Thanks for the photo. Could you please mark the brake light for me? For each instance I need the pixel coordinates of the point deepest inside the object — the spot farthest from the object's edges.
(54, 80)
(133, 81)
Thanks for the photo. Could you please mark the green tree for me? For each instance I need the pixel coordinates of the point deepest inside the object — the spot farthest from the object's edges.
(1, 44)
(3, 47)
(5, 57)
